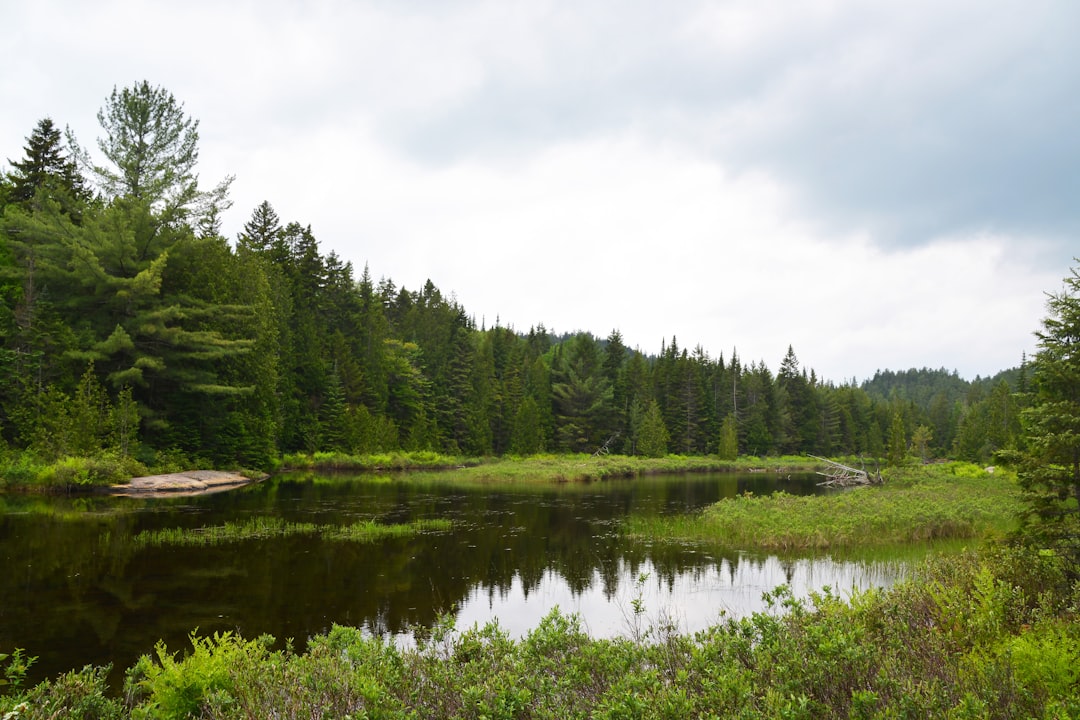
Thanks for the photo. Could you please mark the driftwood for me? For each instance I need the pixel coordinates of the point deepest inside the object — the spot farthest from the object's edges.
(840, 475)
(605, 448)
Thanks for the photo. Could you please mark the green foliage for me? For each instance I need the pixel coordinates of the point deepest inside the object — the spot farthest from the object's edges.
(152, 148)
(15, 664)
(527, 437)
(261, 527)
(942, 502)
(1050, 466)
(295, 354)
(898, 445)
(990, 634)
(76, 695)
(48, 169)
(728, 447)
(104, 468)
(652, 435)
(165, 688)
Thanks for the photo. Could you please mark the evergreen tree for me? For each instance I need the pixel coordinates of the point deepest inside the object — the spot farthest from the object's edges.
(898, 446)
(652, 436)
(262, 230)
(760, 412)
(1050, 468)
(615, 359)
(920, 442)
(538, 387)
(581, 393)
(527, 438)
(46, 167)
(151, 148)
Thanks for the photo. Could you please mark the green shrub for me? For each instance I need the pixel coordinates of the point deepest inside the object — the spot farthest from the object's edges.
(162, 687)
(77, 695)
(15, 665)
(104, 469)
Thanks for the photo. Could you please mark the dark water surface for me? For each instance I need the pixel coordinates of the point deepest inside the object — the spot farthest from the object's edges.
(76, 587)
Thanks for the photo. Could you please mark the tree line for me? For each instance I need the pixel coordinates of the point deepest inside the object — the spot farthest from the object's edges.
(130, 325)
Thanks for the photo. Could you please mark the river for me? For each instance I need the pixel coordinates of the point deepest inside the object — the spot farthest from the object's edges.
(79, 587)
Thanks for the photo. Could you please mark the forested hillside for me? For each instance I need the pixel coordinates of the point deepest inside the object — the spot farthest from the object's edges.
(130, 327)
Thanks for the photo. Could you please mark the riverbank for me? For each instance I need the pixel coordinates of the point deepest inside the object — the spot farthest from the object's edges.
(26, 473)
(946, 501)
(976, 635)
(543, 468)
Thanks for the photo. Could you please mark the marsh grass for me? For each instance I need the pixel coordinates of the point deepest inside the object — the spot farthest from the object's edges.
(589, 468)
(952, 501)
(267, 527)
(543, 468)
(337, 461)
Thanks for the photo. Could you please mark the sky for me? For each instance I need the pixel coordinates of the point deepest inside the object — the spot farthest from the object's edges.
(879, 184)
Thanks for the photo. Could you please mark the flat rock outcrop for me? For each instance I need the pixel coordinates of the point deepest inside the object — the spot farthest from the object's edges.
(192, 482)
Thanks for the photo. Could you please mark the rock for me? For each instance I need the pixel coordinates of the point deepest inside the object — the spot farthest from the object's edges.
(192, 482)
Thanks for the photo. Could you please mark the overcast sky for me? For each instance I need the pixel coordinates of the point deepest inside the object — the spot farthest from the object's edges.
(878, 184)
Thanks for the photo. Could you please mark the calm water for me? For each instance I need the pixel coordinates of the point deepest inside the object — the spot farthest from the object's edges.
(76, 589)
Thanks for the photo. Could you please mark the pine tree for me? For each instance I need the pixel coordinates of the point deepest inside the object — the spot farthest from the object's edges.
(151, 148)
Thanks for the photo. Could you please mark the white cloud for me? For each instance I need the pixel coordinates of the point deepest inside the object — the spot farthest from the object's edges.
(877, 184)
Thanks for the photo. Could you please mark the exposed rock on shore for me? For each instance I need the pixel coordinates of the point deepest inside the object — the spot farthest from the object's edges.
(192, 482)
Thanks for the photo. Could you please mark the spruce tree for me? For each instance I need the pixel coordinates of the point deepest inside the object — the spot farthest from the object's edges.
(46, 166)
(1050, 467)
(262, 230)
(898, 446)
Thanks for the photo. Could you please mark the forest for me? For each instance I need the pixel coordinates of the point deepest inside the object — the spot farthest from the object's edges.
(131, 329)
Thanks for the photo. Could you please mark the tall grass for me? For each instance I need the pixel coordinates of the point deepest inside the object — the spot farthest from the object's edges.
(267, 526)
(337, 461)
(538, 468)
(936, 502)
(590, 468)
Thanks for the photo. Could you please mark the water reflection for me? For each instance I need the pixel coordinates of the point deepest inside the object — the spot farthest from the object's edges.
(689, 600)
(78, 588)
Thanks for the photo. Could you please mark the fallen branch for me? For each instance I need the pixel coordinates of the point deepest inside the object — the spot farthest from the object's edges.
(841, 475)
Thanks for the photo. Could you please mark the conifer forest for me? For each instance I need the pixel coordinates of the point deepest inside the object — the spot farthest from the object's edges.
(131, 328)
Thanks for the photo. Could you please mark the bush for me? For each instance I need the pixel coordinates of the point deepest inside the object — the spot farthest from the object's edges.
(77, 695)
(103, 469)
(162, 687)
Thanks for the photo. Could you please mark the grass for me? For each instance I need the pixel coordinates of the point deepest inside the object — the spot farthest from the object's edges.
(580, 468)
(935, 502)
(24, 471)
(264, 527)
(337, 461)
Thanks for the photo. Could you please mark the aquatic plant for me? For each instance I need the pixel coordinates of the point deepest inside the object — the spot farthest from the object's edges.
(270, 526)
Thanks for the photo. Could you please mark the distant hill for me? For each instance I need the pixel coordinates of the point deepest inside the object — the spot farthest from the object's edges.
(923, 386)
